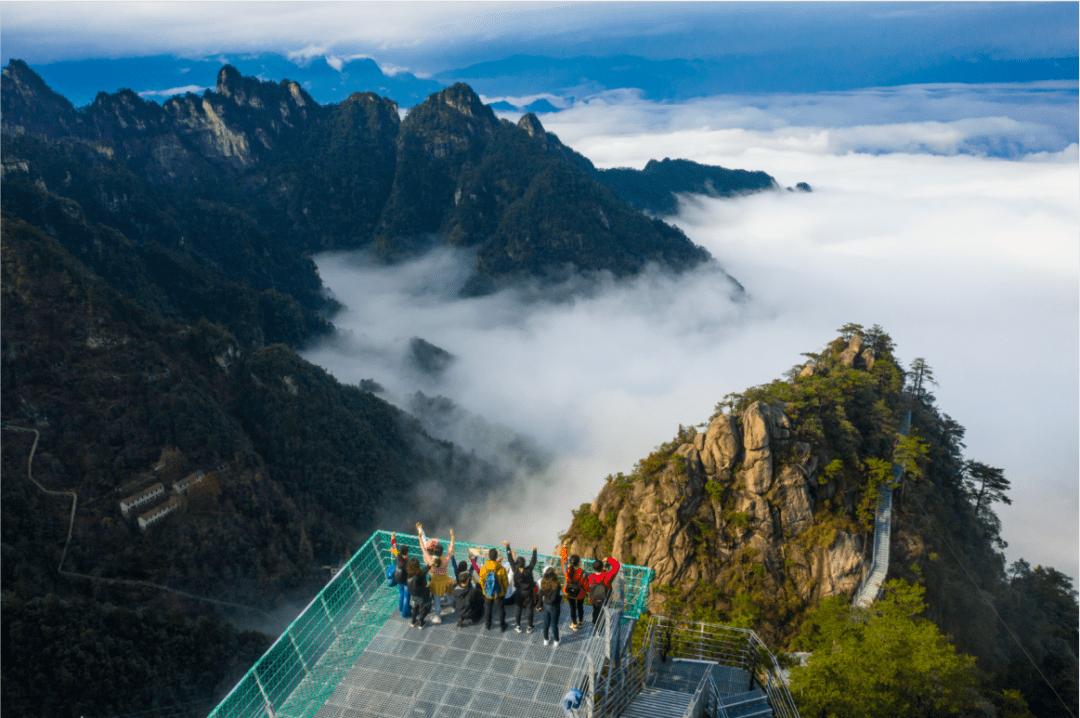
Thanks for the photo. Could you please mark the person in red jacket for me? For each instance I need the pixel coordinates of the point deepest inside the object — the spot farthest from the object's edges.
(575, 587)
(599, 584)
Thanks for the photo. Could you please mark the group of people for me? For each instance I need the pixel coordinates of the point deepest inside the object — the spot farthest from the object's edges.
(422, 585)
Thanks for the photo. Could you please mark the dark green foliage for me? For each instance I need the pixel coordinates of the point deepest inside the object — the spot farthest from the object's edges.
(81, 657)
(882, 662)
(1040, 607)
(588, 523)
(112, 387)
(246, 177)
(653, 189)
(182, 260)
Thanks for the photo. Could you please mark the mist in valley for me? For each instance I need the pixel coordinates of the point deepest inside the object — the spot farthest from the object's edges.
(956, 232)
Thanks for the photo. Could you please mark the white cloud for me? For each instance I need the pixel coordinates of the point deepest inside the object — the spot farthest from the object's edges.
(391, 69)
(1004, 120)
(306, 54)
(969, 262)
(172, 91)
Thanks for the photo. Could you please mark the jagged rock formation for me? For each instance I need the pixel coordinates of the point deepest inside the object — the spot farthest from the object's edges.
(354, 174)
(748, 517)
(768, 503)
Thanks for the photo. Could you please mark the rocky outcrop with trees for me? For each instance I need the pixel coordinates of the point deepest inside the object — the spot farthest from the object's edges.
(763, 515)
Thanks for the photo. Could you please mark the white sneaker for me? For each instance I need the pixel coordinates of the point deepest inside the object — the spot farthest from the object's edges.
(436, 619)
(545, 641)
(555, 645)
(518, 629)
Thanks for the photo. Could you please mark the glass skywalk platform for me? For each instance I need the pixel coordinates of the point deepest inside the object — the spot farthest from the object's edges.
(349, 654)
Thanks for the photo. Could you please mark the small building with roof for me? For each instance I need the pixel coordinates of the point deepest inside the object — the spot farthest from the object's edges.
(159, 512)
(189, 481)
(142, 498)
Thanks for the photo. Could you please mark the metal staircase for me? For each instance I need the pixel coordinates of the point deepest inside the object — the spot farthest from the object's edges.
(658, 703)
(879, 564)
(688, 670)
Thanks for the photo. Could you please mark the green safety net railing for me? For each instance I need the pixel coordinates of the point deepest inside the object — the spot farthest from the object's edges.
(300, 671)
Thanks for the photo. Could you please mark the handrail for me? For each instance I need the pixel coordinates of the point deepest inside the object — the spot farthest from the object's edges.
(736, 647)
(699, 701)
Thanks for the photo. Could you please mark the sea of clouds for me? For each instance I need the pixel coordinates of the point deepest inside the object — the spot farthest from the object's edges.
(949, 215)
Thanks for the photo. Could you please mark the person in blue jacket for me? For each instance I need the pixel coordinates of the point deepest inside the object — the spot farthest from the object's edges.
(401, 558)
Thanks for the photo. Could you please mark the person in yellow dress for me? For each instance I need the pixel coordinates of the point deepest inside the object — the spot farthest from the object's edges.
(442, 583)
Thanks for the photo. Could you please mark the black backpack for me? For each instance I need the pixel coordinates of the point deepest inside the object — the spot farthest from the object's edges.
(598, 593)
(400, 577)
(573, 584)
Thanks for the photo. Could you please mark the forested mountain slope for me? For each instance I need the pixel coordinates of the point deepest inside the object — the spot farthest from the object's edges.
(298, 468)
(156, 272)
(300, 177)
(769, 511)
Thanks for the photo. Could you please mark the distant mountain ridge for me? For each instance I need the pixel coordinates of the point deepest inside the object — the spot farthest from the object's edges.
(653, 188)
(680, 79)
(161, 76)
(354, 174)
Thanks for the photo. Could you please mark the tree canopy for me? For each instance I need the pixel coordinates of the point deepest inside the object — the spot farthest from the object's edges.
(882, 661)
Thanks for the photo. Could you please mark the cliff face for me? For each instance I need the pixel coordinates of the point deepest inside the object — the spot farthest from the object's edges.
(748, 521)
(355, 175)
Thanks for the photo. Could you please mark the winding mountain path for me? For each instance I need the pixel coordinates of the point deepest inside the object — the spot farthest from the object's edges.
(71, 525)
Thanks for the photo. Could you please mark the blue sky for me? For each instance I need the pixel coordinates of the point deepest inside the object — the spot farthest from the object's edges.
(735, 47)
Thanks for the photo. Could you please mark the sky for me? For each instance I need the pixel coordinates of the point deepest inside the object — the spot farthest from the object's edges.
(947, 212)
(436, 36)
(671, 50)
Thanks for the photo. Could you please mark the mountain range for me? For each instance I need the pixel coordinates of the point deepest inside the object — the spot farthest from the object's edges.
(329, 78)
(157, 279)
(302, 177)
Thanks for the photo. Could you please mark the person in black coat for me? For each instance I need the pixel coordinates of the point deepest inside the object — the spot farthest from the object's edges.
(524, 585)
(551, 600)
(468, 599)
(419, 593)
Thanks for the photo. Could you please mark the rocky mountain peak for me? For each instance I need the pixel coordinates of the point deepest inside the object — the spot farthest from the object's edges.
(123, 110)
(531, 124)
(257, 94)
(462, 98)
(29, 105)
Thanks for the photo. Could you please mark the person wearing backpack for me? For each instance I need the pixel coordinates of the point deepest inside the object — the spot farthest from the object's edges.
(599, 584)
(420, 594)
(401, 558)
(494, 583)
(574, 588)
(468, 599)
(551, 600)
(524, 585)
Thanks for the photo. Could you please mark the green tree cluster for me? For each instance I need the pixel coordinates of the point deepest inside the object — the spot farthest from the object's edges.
(81, 657)
(886, 661)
